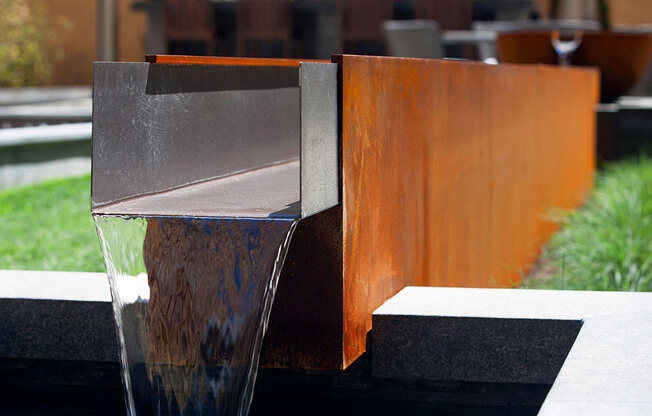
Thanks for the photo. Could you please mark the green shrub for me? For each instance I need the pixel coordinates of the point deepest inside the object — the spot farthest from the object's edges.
(24, 39)
(607, 243)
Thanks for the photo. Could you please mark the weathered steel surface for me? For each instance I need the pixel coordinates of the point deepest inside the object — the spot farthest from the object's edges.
(305, 328)
(448, 169)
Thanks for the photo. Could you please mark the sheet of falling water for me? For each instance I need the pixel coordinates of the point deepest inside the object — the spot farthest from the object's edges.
(191, 298)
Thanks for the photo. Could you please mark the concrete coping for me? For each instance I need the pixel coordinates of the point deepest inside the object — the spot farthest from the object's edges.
(512, 304)
(607, 368)
(593, 347)
(34, 95)
(50, 111)
(56, 316)
(49, 285)
(19, 136)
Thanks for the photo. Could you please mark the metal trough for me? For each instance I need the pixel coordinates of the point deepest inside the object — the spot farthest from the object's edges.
(234, 140)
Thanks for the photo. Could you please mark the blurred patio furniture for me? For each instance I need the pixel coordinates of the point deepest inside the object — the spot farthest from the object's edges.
(487, 48)
(360, 24)
(414, 38)
(189, 23)
(263, 21)
(621, 57)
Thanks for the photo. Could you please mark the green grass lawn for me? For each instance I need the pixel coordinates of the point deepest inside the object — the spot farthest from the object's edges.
(49, 227)
(607, 243)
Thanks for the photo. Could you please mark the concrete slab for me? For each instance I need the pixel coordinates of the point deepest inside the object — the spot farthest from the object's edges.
(608, 370)
(72, 286)
(593, 347)
(35, 95)
(56, 315)
(34, 154)
(21, 136)
(510, 303)
(445, 335)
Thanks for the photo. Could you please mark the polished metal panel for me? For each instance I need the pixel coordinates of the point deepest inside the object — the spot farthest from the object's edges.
(158, 127)
(319, 144)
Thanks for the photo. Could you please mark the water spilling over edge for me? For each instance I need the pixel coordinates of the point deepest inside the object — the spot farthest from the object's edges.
(191, 300)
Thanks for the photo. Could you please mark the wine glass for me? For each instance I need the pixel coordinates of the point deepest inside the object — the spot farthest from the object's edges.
(564, 47)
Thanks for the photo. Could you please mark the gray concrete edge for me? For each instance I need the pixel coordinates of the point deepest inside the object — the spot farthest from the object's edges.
(56, 316)
(68, 316)
(608, 369)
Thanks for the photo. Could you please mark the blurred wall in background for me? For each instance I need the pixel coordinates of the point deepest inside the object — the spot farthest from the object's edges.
(628, 12)
(75, 24)
(623, 12)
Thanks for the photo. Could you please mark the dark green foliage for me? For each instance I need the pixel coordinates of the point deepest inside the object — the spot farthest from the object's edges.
(607, 243)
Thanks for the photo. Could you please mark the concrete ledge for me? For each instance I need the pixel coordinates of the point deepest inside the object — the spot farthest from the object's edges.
(505, 335)
(608, 370)
(485, 350)
(33, 154)
(57, 316)
(45, 134)
(35, 95)
(431, 334)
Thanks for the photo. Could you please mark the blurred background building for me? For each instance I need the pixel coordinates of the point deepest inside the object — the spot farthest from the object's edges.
(126, 30)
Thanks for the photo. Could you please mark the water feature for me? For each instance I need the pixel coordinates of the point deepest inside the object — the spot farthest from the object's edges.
(191, 299)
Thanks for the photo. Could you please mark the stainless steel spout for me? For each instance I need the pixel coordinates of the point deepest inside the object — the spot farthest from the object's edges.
(214, 140)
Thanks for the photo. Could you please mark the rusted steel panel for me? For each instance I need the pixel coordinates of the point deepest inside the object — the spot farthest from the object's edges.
(220, 60)
(448, 169)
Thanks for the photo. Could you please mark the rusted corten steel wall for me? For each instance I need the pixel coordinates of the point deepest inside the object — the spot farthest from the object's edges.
(448, 169)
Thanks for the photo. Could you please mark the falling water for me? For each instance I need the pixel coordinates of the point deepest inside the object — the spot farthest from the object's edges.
(191, 298)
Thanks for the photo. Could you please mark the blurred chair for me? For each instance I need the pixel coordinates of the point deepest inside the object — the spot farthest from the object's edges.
(487, 50)
(188, 22)
(413, 38)
(263, 21)
(449, 14)
(360, 21)
(504, 10)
